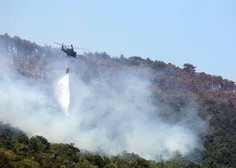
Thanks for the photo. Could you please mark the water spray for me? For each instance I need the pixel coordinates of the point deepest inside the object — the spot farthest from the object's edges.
(62, 92)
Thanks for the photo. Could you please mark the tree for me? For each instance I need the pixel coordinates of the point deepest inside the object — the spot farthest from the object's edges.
(189, 68)
(4, 160)
(38, 144)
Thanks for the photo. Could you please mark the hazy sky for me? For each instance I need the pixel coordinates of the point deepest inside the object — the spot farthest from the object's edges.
(200, 32)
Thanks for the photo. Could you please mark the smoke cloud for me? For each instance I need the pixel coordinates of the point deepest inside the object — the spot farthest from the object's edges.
(113, 114)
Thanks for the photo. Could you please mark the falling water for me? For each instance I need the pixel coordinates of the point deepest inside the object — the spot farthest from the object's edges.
(62, 91)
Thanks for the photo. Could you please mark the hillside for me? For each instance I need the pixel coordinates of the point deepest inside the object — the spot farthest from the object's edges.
(195, 106)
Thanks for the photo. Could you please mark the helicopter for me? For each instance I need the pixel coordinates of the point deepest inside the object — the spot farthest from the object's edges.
(69, 50)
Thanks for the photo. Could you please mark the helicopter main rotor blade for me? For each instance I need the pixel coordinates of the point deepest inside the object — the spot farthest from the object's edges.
(57, 43)
(82, 48)
(70, 46)
(61, 44)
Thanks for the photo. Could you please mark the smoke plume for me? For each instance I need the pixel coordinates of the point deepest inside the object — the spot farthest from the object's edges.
(113, 114)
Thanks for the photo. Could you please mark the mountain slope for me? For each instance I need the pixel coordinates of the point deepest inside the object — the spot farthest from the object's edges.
(181, 94)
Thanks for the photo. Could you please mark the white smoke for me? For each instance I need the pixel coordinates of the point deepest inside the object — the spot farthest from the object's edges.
(113, 114)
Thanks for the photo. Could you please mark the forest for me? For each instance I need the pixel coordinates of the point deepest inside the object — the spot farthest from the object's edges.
(215, 98)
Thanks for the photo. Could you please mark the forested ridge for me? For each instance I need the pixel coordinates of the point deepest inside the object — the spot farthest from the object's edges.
(216, 98)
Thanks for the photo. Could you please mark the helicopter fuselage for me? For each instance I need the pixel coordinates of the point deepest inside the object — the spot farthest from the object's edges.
(69, 51)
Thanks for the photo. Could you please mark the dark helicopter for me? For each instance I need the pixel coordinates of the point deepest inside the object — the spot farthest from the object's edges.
(69, 50)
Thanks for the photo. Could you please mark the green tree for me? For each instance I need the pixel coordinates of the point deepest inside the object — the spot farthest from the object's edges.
(38, 144)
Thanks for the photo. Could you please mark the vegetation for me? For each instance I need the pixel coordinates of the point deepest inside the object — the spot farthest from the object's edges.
(17, 150)
(216, 98)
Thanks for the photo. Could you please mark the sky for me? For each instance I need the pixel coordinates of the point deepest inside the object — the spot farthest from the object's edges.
(199, 32)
